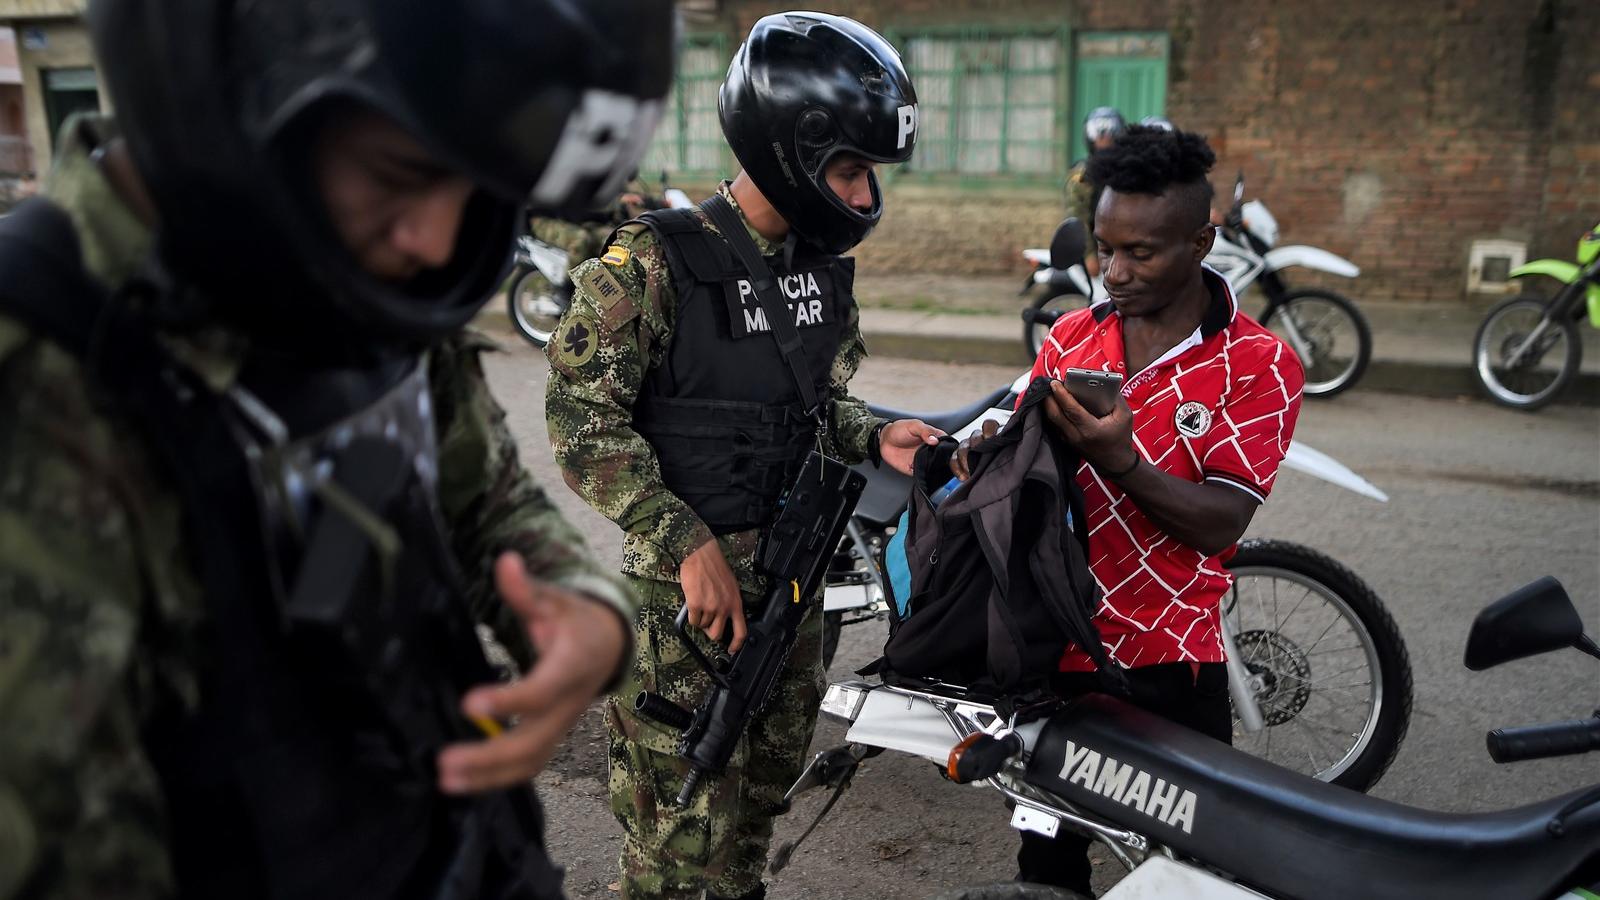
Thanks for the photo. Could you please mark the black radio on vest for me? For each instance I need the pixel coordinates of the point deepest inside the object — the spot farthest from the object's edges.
(730, 420)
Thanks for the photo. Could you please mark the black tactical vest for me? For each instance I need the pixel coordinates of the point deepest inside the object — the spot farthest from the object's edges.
(722, 410)
(339, 639)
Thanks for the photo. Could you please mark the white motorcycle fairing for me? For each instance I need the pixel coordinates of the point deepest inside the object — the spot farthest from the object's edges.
(1313, 462)
(550, 261)
(1159, 878)
(1311, 258)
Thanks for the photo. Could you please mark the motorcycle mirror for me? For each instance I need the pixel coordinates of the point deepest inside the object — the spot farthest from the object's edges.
(1536, 618)
(1067, 247)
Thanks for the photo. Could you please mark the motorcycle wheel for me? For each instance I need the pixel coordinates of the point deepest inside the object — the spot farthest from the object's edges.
(1327, 664)
(1332, 331)
(1033, 334)
(1011, 890)
(535, 305)
(1543, 372)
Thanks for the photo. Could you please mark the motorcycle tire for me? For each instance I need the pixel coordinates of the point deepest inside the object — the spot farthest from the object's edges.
(1327, 321)
(1523, 387)
(1033, 334)
(1011, 890)
(1300, 683)
(535, 306)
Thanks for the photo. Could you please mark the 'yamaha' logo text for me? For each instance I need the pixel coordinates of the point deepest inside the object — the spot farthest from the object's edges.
(1129, 786)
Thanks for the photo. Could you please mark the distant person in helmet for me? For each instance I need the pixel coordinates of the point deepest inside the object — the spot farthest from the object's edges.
(255, 495)
(1101, 129)
(673, 413)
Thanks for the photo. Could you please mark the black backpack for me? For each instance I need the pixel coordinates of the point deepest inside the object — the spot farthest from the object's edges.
(1000, 583)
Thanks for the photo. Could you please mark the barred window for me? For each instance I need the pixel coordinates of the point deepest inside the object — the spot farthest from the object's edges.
(689, 140)
(990, 103)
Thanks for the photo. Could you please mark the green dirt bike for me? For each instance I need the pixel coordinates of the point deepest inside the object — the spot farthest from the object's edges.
(1528, 350)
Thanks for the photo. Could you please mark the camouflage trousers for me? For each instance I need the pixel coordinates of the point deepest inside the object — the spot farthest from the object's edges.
(717, 843)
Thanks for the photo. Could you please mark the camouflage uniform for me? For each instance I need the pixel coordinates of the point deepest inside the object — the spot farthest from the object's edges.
(600, 356)
(1081, 197)
(101, 613)
(583, 240)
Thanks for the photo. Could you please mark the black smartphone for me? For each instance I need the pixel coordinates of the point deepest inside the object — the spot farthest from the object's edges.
(1096, 390)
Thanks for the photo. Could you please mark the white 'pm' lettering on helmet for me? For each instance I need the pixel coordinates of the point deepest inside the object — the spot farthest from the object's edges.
(908, 125)
(605, 136)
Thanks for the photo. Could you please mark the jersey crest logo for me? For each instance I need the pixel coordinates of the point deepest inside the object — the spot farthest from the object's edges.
(1192, 419)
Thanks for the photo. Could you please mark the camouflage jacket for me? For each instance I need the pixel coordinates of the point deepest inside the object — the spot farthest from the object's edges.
(101, 616)
(1081, 197)
(592, 388)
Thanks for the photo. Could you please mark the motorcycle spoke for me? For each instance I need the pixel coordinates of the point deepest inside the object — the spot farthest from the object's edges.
(1323, 635)
(1340, 649)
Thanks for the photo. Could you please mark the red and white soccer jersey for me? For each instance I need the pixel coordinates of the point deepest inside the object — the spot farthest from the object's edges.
(1219, 407)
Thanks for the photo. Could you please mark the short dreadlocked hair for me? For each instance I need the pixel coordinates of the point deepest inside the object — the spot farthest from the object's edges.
(1146, 160)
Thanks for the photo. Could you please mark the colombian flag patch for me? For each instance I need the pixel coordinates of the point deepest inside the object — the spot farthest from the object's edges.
(615, 255)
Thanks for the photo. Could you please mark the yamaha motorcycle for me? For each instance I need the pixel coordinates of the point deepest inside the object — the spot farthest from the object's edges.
(1190, 817)
(1308, 640)
(1318, 673)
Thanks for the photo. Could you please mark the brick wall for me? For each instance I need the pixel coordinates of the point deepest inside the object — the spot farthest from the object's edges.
(1391, 133)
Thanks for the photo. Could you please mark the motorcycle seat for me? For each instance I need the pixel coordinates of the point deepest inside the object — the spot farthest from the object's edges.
(1290, 835)
(885, 495)
(949, 420)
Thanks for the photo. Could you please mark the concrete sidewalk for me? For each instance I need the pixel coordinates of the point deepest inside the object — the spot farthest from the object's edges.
(1417, 349)
(1422, 350)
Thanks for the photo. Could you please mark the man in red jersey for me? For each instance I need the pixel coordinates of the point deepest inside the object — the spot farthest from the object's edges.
(1172, 475)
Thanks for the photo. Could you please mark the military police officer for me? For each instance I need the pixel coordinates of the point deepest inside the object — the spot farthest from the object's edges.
(253, 487)
(672, 412)
(1100, 130)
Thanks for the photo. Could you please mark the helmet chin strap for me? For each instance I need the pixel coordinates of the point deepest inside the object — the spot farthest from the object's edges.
(790, 241)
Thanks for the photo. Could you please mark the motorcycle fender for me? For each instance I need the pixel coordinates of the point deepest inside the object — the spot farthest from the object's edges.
(1160, 877)
(907, 724)
(1313, 462)
(1311, 258)
(1559, 269)
(841, 597)
(551, 262)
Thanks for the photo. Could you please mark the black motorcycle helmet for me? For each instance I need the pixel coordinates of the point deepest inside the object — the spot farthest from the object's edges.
(552, 100)
(803, 88)
(1103, 121)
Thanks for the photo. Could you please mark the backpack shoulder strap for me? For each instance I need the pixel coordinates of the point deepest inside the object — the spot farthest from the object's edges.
(43, 283)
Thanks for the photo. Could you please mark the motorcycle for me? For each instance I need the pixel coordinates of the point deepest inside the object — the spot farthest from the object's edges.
(1527, 350)
(1359, 689)
(1194, 818)
(540, 291)
(1325, 329)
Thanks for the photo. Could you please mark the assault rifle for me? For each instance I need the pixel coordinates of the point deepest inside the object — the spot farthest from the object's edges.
(794, 558)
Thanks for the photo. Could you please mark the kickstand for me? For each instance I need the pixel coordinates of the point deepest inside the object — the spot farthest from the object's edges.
(780, 859)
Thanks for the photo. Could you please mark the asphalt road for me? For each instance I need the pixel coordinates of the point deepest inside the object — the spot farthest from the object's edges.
(1482, 500)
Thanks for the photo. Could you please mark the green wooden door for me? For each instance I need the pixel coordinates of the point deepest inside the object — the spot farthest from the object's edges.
(1126, 71)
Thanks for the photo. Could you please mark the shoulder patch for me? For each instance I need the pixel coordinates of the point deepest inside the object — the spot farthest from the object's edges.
(575, 341)
(616, 255)
(604, 287)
